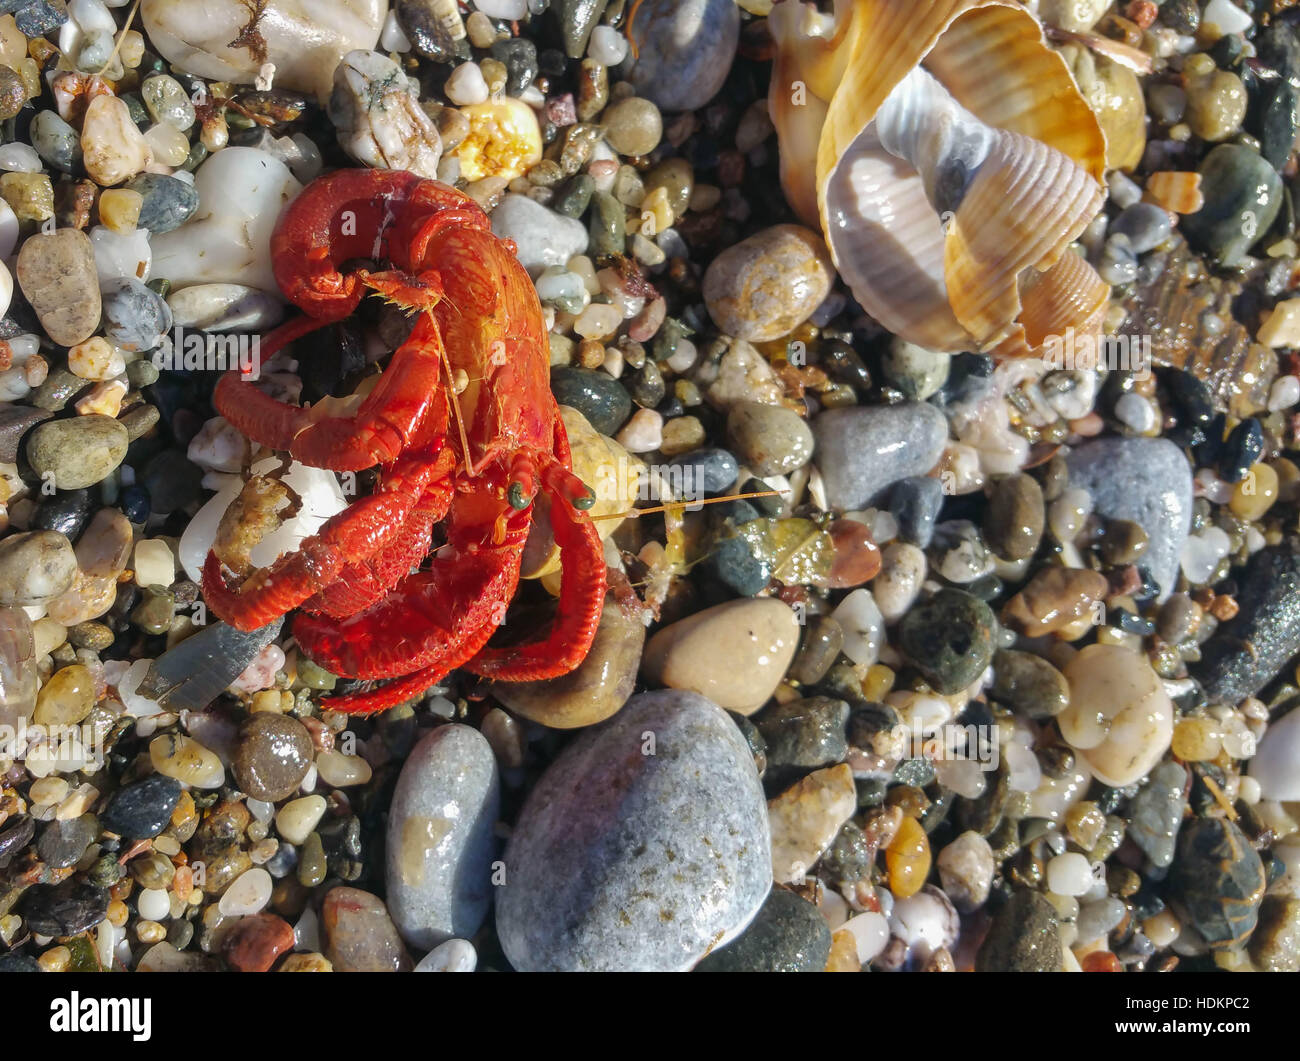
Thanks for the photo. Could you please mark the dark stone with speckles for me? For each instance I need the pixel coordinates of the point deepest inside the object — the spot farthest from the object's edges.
(788, 935)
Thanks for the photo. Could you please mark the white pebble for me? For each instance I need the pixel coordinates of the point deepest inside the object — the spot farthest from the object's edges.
(20, 158)
(467, 86)
(219, 446)
(683, 358)
(643, 432)
(1024, 773)
(1227, 16)
(341, 770)
(871, 932)
(450, 956)
(1249, 791)
(1069, 874)
(153, 904)
(1284, 394)
(1136, 412)
(154, 563)
(118, 256)
(297, 818)
(608, 47)
(864, 626)
(260, 809)
(249, 893)
(260, 674)
(1124, 191)
(1212, 488)
(1276, 765)
(598, 321)
(1203, 553)
(393, 39)
(966, 777)
(8, 229)
(925, 922)
(506, 9)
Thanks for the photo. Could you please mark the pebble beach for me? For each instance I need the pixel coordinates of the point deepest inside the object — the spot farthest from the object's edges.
(912, 659)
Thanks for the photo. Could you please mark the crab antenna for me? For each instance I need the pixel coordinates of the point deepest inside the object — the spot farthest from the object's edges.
(637, 513)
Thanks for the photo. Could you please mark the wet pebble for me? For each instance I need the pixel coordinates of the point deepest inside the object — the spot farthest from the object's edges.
(62, 843)
(734, 653)
(802, 735)
(167, 202)
(600, 398)
(142, 809)
(1219, 878)
(1243, 195)
(627, 860)
(360, 936)
(788, 935)
(1023, 938)
(806, 818)
(865, 449)
(35, 567)
(64, 909)
(684, 49)
(77, 452)
(1147, 481)
(949, 639)
(440, 837)
(272, 756)
(966, 869)
(769, 439)
(542, 237)
(767, 285)
(135, 317)
(57, 274)
(254, 943)
(1157, 812)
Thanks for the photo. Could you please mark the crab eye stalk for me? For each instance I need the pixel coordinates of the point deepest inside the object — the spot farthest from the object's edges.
(586, 501)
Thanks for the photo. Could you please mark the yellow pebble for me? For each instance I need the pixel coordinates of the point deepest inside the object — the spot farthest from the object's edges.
(1255, 494)
(96, 358)
(879, 681)
(54, 960)
(504, 140)
(132, 50)
(31, 195)
(267, 700)
(149, 932)
(104, 399)
(170, 146)
(844, 953)
(66, 698)
(908, 859)
(117, 913)
(656, 213)
(1196, 739)
(119, 210)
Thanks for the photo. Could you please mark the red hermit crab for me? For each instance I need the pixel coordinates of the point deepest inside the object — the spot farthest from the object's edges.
(464, 428)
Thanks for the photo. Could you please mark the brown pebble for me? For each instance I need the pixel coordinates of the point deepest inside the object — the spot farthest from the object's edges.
(253, 943)
(361, 936)
(272, 756)
(56, 271)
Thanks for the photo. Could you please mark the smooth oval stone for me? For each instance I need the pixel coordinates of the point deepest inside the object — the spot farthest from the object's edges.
(596, 395)
(56, 271)
(598, 687)
(64, 842)
(770, 439)
(789, 935)
(272, 756)
(1245, 653)
(1243, 195)
(35, 567)
(143, 809)
(441, 838)
(1029, 684)
(1147, 481)
(683, 50)
(709, 470)
(168, 202)
(78, 452)
(1013, 524)
(1219, 878)
(225, 307)
(55, 141)
(360, 936)
(862, 450)
(642, 847)
(767, 285)
(734, 653)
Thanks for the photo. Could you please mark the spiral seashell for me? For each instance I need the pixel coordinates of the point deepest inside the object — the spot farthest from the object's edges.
(950, 160)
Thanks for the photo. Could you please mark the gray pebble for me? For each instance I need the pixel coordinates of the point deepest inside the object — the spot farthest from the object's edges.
(1157, 812)
(862, 450)
(770, 439)
(542, 237)
(168, 202)
(441, 841)
(78, 452)
(683, 50)
(135, 317)
(1148, 481)
(643, 847)
(35, 567)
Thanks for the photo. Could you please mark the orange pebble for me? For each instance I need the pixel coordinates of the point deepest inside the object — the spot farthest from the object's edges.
(908, 859)
(1101, 961)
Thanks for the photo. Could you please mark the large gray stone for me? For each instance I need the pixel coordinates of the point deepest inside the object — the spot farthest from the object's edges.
(863, 449)
(1148, 481)
(684, 50)
(441, 839)
(643, 847)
